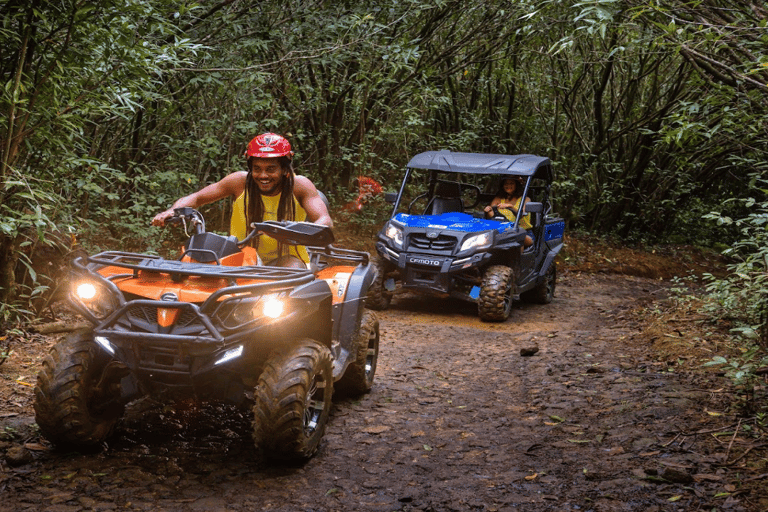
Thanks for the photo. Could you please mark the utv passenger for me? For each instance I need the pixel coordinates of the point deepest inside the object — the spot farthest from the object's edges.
(508, 200)
(269, 190)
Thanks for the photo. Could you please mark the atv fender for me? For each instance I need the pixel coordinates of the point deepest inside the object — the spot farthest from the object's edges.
(347, 314)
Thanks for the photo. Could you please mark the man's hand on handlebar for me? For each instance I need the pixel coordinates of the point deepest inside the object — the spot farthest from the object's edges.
(162, 218)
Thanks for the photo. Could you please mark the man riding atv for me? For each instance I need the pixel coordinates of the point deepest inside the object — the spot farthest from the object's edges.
(214, 326)
(262, 194)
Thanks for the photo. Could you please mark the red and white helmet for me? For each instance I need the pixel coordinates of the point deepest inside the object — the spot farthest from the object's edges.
(269, 145)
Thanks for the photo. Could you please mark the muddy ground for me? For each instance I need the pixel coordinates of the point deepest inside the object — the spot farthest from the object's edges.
(611, 413)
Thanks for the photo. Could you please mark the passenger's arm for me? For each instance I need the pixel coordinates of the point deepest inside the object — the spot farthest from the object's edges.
(495, 202)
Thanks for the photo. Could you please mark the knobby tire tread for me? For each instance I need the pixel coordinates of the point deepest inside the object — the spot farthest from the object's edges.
(63, 405)
(356, 381)
(494, 301)
(278, 426)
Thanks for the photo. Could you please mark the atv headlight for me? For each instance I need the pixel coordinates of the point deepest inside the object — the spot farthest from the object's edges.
(94, 297)
(395, 234)
(241, 311)
(272, 307)
(229, 355)
(105, 343)
(85, 291)
(476, 242)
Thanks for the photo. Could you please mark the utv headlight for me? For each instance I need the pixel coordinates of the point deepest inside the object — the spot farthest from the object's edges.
(395, 234)
(476, 242)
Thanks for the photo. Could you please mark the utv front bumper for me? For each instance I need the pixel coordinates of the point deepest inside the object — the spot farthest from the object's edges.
(435, 273)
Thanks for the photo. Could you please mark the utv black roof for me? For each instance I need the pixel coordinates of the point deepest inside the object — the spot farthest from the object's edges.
(482, 163)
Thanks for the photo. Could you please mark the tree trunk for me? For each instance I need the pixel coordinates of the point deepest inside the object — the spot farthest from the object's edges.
(9, 255)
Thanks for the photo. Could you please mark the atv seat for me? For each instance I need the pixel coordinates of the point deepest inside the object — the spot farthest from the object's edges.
(208, 247)
(447, 198)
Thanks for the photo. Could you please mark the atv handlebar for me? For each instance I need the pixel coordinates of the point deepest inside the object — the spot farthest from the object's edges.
(187, 214)
(294, 233)
(287, 232)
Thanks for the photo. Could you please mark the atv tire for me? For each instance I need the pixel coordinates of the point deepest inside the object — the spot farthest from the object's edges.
(77, 397)
(545, 290)
(378, 297)
(358, 378)
(293, 401)
(494, 303)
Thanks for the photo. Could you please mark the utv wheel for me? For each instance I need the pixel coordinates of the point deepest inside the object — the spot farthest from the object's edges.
(545, 290)
(495, 301)
(77, 397)
(358, 378)
(378, 297)
(293, 401)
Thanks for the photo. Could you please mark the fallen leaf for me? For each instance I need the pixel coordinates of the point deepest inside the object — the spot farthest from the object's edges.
(376, 430)
(674, 498)
(532, 477)
(699, 477)
(36, 447)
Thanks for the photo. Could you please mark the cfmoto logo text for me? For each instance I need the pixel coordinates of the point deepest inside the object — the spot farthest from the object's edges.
(422, 261)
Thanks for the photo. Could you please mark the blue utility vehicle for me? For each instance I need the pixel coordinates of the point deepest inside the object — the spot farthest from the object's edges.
(440, 241)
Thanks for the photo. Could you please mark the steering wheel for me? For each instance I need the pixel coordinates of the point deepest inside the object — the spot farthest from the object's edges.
(497, 215)
(420, 196)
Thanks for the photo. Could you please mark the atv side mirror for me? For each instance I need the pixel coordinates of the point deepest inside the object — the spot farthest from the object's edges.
(390, 197)
(296, 233)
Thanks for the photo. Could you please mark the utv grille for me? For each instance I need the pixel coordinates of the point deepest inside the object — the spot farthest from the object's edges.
(441, 243)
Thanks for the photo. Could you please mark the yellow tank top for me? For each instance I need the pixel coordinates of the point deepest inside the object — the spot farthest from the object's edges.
(267, 245)
(525, 220)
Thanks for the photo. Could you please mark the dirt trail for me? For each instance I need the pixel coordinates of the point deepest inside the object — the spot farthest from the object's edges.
(458, 420)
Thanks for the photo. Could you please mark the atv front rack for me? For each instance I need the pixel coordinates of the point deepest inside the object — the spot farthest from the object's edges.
(150, 263)
(319, 256)
(258, 280)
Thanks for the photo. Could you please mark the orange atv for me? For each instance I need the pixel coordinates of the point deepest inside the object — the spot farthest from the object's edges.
(214, 326)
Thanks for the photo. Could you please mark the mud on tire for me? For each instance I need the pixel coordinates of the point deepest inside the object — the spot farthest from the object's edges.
(495, 301)
(77, 396)
(293, 401)
(378, 297)
(358, 378)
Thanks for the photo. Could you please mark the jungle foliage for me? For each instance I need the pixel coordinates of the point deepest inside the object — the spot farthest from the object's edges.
(653, 113)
